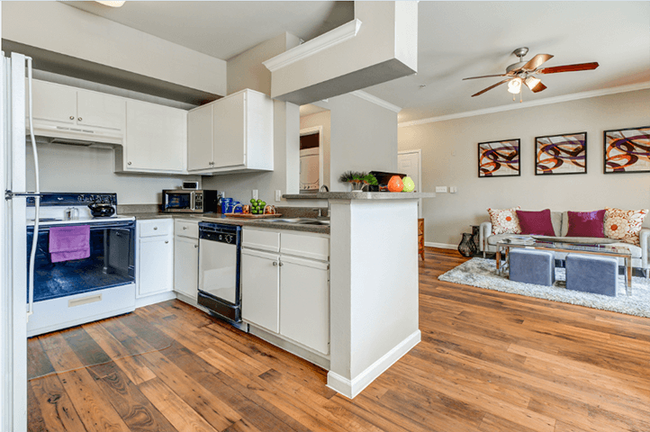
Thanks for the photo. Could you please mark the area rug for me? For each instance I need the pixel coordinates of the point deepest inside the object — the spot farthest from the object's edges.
(481, 273)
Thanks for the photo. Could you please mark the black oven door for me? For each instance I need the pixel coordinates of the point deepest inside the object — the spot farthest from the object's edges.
(111, 262)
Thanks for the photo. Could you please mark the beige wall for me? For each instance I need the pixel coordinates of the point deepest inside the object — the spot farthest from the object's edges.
(68, 168)
(450, 157)
(246, 69)
(321, 119)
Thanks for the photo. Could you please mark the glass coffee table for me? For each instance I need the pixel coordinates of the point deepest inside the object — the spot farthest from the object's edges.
(590, 249)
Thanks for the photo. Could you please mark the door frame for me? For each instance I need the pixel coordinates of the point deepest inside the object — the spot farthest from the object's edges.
(419, 185)
(312, 131)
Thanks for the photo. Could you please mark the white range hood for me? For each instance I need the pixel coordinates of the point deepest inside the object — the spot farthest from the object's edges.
(75, 135)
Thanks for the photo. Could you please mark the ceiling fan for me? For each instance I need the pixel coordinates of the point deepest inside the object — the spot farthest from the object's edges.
(523, 73)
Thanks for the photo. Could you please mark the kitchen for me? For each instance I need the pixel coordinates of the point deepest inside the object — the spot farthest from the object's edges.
(137, 162)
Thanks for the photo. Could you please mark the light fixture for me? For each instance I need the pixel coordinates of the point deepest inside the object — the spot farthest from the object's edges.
(114, 4)
(533, 82)
(514, 86)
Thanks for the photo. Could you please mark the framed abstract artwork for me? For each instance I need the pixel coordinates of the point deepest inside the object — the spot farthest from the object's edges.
(499, 158)
(561, 154)
(627, 150)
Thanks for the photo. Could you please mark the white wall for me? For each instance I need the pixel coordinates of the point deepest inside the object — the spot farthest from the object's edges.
(67, 168)
(363, 138)
(450, 158)
(57, 27)
(321, 119)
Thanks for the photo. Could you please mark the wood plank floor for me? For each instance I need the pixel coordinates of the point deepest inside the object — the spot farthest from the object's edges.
(488, 362)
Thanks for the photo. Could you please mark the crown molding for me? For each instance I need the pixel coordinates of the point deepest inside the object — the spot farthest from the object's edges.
(314, 46)
(377, 101)
(529, 104)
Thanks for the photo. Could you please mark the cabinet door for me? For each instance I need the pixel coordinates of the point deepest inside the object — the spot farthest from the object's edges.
(229, 123)
(54, 102)
(305, 303)
(260, 285)
(199, 139)
(156, 265)
(186, 266)
(155, 137)
(100, 110)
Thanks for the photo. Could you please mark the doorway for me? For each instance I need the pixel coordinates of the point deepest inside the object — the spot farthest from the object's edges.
(311, 159)
(409, 162)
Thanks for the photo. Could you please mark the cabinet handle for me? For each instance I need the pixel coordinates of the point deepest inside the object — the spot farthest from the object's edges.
(71, 117)
(280, 263)
(275, 264)
(184, 228)
(196, 246)
(155, 228)
(79, 118)
(128, 163)
(166, 241)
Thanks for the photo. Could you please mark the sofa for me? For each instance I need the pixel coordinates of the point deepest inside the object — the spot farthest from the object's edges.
(640, 260)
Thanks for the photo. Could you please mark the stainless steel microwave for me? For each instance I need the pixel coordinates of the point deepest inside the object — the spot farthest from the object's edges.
(190, 201)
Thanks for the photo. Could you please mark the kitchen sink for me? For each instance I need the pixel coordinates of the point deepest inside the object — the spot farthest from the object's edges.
(301, 221)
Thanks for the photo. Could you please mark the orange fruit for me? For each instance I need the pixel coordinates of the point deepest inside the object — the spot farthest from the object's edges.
(395, 184)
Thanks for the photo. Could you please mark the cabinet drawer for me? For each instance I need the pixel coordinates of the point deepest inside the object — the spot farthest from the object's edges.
(265, 240)
(186, 229)
(312, 246)
(156, 227)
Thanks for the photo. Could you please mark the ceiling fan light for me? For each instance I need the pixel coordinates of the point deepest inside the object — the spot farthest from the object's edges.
(514, 86)
(114, 4)
(532, 83)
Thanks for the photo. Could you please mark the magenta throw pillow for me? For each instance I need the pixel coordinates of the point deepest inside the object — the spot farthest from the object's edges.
(536, 222)
(586, 224)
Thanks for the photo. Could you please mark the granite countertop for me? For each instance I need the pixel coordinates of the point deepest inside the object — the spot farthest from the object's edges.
(217, 217)
(361, 195)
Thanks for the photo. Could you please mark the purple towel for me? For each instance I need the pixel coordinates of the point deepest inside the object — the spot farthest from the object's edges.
(69, 243)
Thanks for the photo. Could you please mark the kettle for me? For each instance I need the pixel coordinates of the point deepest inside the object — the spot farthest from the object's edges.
(101, 209)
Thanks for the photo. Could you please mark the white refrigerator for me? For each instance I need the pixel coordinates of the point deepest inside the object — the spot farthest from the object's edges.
(15, 272)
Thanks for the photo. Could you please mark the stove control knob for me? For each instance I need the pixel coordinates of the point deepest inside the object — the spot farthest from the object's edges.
(220, 237)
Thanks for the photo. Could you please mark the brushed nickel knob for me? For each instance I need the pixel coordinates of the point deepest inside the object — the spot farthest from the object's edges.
(128, 163)
(79, 118)
(71, 117)
(155, 228)
(275, 264)
(184, 227)
(166, 241)
(196, 246)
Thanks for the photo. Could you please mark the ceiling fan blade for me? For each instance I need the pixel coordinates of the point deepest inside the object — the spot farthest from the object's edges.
(568, 68)
(534, 84)
(536, 62)
(491, 87)
(486, 76)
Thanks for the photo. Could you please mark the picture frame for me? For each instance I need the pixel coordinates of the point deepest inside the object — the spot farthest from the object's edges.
(626, 150)
(561, 154)
(499, 158)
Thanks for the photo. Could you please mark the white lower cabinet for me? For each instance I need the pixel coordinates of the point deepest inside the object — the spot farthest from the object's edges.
(186, 258)
(285, 294)
(155, 257)
(260, 281)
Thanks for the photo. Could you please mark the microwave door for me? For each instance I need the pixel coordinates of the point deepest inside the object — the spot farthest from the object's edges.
(192, 201)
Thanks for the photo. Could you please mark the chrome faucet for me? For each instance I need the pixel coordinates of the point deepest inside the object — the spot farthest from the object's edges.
(324, 188)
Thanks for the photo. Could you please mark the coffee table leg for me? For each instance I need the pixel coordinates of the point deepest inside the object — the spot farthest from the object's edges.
(499, 260)
(628, 261)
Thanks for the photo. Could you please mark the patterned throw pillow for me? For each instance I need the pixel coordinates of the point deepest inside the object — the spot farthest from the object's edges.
(505, 221)
(624, 225)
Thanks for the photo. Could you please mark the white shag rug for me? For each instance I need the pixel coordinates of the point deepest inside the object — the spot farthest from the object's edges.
(481, 273)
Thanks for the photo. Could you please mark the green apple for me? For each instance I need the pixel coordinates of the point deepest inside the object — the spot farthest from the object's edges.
(409, 185)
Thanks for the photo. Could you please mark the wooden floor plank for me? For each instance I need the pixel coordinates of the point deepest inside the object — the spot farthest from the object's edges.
(488, 362)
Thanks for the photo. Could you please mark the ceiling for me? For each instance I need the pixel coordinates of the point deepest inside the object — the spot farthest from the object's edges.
(457, 39)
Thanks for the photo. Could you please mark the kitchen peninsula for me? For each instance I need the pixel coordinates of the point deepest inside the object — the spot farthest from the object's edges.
(373, 283)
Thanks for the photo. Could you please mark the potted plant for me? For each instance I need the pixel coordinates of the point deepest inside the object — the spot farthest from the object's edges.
(358, 180)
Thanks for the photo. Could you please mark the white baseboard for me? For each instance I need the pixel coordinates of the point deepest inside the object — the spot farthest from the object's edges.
(352, 387)
(156, 298)
(440, 245)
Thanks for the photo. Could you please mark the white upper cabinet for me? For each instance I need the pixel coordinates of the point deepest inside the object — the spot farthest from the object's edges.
(100, 110)
(199, 138)
(232, 134)
(155, 138)
(61, 104)
(53, 102)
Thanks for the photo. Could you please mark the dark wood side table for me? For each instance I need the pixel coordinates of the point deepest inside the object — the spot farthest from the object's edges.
(421, 238)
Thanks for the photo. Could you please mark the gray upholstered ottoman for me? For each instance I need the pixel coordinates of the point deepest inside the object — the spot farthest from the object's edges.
(592, 273)
(532, 266)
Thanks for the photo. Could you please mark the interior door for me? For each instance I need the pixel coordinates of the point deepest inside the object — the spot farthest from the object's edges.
(409, 163)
